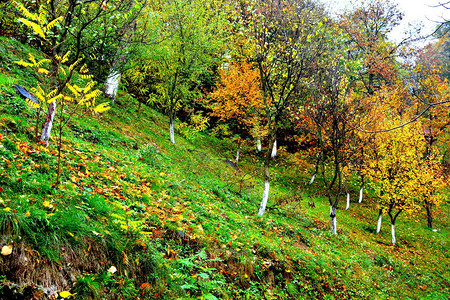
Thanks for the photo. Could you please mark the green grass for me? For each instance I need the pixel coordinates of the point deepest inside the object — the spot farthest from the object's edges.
(177, 222)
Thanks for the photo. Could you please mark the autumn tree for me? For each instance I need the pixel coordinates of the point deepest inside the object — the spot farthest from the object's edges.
(368, 27)
(237, 99)
(332, 109)
(396, 169)
(285, 38)
(432, 92)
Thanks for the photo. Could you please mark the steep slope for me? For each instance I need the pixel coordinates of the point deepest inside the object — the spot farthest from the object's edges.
(137, 217)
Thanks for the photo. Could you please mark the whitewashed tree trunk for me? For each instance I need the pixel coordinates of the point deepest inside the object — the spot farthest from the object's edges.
(348, 202)
(172, 132)
(393, 234)
(361, 190)
(333, 219)
(265, 197)
(258, 145)
(380, 218)
(274, 149)
(312, 178)
(237, 156)
(48, 124)
(112, 84)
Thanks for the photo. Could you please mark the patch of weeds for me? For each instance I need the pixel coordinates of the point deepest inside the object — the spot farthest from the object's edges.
(150, 154)
(198, 279)
(9, 145)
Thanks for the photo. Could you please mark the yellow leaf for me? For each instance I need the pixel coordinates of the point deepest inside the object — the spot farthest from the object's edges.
(7, 250)
(43, 71)
(53, 23)
(36, 28)
(65, 294)
(102, 107)
(46, 203)
(7, 209)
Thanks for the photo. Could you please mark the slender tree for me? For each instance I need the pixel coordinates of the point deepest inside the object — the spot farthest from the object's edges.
(191, 35)
(285, 38)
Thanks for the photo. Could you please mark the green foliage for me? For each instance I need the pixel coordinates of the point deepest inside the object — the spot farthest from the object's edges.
(175, 222)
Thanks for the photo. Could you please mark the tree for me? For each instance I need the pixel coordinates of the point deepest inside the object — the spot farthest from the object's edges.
(73, 25)
(190, 35)
(332, 110)
(238, 99)
(397, 170)
(285, 38)
(430, 87)
(368, 27)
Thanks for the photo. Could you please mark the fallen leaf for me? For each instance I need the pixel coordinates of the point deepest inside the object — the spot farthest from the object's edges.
(112, 270)
(7, 250)
(65, 294)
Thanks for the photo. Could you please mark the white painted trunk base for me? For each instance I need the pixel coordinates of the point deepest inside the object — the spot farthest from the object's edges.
(380, 218)
(46, 131)
(333, 220)
(274, 149)
(393, 234)
(312, 178)
(172, 132)
(258, 145)
(112, 84)
(265, 197)
(361, 190)
(348, 202)
(237, 156)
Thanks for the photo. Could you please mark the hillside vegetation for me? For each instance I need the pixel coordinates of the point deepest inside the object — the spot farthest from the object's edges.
(135, 216)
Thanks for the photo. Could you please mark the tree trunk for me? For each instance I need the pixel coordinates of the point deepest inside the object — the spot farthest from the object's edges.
(361, 193)
(48, 124)
(237, 156)
(333, 219)
(393, 234)
(380, 218)
(265, 197)
(312, 179)
(112, 84)
(274, 149)
(429, 214)
(258, 145)
(262, 207)
(348, 202)
(172, 130)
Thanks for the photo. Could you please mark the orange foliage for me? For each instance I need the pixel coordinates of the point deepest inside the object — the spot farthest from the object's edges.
(238, 97)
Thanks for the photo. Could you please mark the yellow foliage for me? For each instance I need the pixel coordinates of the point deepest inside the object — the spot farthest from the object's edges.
(102, 107)
(36, 27)
(403, 177)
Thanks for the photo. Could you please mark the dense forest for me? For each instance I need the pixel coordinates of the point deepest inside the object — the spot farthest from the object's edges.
(217, 149)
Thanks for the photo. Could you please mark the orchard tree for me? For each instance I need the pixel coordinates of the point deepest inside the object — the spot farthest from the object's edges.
(237, 99)
(368, 27)
(398, 173)
(332, 110)
(191, 36)
(285, 38)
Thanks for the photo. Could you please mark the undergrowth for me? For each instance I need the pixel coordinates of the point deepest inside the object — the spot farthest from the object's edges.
(137, 217)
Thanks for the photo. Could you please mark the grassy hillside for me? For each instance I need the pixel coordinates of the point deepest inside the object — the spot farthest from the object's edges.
(177, 222)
